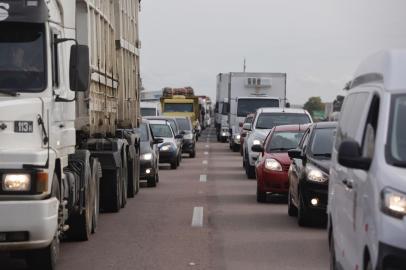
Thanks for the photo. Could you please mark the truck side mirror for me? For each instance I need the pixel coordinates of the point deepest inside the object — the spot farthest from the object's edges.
(79, 68)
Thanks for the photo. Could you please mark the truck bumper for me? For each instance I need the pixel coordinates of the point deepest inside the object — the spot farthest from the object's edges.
(34, 221)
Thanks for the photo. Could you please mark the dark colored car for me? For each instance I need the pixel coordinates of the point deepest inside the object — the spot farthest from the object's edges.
(273, 162)
(149, 164)
(169, 151)
(309, 173)
(189, 136)
(174, 125)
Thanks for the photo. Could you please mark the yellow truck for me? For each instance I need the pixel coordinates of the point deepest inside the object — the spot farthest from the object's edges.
(181, 102)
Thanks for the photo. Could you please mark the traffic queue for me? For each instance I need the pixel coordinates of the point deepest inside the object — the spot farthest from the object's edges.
(348, 176)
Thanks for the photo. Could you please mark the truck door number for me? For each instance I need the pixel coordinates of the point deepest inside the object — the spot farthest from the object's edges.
(23, 126)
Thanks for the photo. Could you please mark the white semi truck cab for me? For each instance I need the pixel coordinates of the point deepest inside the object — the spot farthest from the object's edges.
(62, 152)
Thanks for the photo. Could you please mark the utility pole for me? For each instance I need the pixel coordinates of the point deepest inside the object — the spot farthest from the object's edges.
(245, 65)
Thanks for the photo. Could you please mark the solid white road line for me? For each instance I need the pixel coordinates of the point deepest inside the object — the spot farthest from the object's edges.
(204, 162)
(197, 219)
(203, 178)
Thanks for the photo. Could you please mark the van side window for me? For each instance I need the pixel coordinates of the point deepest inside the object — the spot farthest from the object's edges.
(371, 127)
(351, 117)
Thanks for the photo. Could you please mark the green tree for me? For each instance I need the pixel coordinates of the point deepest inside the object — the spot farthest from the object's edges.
(314, 104)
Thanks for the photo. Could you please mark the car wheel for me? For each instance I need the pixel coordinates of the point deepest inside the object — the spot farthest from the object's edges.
(250, 171)
(174, 164)
(333, 262)
(261, 196)
(151, 182)
(292, 210)
(368, 265)
(192, 154)
(303, 213)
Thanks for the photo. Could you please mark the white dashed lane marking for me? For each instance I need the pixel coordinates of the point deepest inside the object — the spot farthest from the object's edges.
(197, 219)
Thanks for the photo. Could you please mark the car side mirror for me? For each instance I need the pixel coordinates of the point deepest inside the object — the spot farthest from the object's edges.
(295, 153)
(158, 140)
(350, 156)
(79, 68)
(257, 148)
(179, 136)
(247, 126)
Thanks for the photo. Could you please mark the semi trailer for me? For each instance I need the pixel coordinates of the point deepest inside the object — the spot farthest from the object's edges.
(69, 80)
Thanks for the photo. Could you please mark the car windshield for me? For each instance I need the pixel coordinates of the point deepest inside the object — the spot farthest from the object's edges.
(249, 120)
(22, 57)
(143, 129)
(178, 107)
(270, 120)
(148, 111)
(397, 131)
(322, 144)
(246, 106)
(184, 124)
(161, 131)
(282, 141)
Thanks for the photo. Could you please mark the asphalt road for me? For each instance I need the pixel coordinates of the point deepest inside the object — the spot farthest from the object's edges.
(204, 215)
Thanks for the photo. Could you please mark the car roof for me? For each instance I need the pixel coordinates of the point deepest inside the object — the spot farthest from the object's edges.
(325, 125)
(282, 110)
(303, 127)
(385, 67)
(163, 118)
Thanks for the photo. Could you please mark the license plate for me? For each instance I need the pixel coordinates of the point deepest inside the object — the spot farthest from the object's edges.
(2, 237)
(23, 126)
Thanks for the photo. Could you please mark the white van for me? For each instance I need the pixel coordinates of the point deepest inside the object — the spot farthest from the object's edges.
(367, 188)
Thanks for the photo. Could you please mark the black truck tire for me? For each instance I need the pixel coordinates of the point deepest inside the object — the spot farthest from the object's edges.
(96, 169)
(113, 201)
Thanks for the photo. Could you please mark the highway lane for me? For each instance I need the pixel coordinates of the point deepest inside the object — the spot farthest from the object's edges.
(204, 215)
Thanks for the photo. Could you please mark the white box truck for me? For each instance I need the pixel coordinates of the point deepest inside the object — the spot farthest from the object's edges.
(248, 92)
(69, 79)
(222, 107)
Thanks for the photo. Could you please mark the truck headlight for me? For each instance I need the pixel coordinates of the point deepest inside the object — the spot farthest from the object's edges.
(16, 182)
(165, 148)
(147, 156)
(273, 165)
(315, 175)
(393, 203)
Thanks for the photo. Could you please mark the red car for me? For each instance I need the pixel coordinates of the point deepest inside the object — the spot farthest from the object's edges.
(273, 163)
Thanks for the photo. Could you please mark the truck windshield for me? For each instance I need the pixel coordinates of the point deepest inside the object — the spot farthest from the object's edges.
(270, 120)
(178, 107)
(322, 144)
(397, 136)
(246, 106)
(148, 112)
(22, 57)
(161, 131)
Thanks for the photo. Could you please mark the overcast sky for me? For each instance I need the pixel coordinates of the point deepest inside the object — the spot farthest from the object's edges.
(318, 43)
